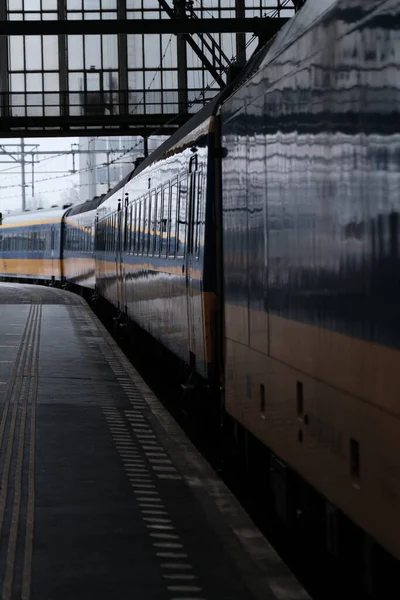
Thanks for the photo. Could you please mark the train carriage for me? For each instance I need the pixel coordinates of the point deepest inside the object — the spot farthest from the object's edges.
(156, 254)
(79, 243)
(311, 237)
(31, 245)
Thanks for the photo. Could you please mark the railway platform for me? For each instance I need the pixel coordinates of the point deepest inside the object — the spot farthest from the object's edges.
(102, 495)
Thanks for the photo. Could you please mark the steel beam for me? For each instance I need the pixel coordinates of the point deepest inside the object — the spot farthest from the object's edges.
(265, 26)
(182, 60)
(240, 36)
(63, 60)
(124, 130)
(116, 125)
(122, 62)
(4, 79)
(195, 47)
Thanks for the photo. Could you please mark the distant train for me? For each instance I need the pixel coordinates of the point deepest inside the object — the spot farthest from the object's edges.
(260, 244)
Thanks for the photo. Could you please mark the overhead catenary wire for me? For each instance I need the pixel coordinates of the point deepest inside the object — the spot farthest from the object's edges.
(18, 166)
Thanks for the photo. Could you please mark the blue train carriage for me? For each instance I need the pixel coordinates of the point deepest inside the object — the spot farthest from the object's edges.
(163, 271)
(79, 243)
(311, 259)
(31, 245)
(107, 224)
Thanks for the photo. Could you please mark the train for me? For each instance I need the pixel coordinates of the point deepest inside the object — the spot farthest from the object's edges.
(260, 245)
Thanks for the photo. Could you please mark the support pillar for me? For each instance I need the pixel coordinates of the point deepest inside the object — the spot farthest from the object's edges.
(4, 77)
(123, 95)
(63, 61)
(182, 60)
(240, 37)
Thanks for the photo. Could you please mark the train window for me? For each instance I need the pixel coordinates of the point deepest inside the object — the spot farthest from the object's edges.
(129, 230)
(157, 224)
(148, 246)
(52, 239)
(141, 226)
(173, 219)
(181, 214)
(133, 228)
(115, 234)
(165, 220)
(112, 234)
(153, 222)
(197, 212)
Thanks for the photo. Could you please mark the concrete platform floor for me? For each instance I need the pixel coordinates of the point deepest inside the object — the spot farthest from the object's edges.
(101, 494)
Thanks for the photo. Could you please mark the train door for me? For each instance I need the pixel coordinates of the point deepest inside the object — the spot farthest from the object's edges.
(122, 224)
(191, 291)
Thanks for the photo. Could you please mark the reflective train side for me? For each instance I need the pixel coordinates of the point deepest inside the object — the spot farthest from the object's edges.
(311, 240)
(31, 245)
(155, 256)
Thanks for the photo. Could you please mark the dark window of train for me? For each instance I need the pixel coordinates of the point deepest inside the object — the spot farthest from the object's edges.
(158, 223)
(262, 397)
(354, 458)
(173, 219)
(299, 395)
(145, 225)
(153, 222)
(135, 216)
(111, 234)
(165, 220)
(115, 234)
(150, 208)
(130, 237)
(134, 229)
(198, 209)
(142, 222)
(181, 213)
